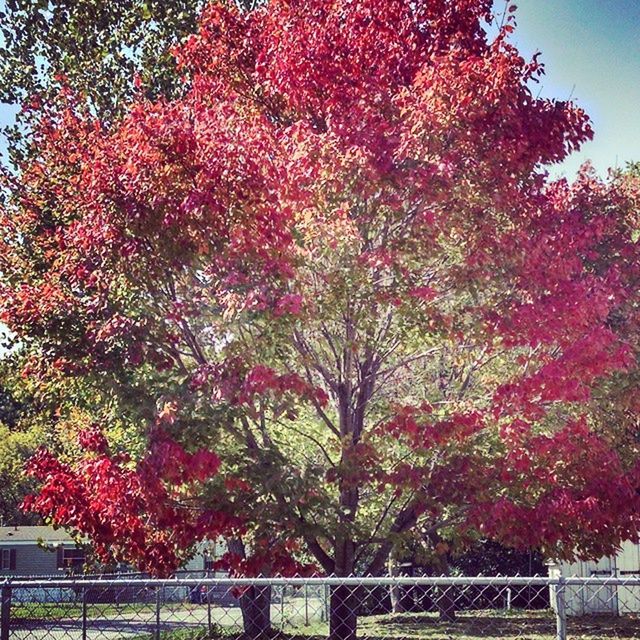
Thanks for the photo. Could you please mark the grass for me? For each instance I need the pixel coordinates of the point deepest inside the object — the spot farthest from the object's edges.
(473, 625)
(494, 625)
(470, 625)
(61, 611)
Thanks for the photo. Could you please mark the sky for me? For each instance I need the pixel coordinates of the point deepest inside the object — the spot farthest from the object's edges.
(591, 51)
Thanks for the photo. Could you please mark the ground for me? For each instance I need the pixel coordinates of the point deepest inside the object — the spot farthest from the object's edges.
(498, 625)
(191, 623)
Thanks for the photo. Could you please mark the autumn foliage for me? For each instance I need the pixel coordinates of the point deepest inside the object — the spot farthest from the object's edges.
(339, 260)
(130, 510)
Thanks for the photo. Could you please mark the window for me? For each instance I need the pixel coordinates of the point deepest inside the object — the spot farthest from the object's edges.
(8, 560)
(70, 558)
(209, 557)
(73, 558)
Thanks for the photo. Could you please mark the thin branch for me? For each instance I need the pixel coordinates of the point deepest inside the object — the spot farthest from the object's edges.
(312, 439)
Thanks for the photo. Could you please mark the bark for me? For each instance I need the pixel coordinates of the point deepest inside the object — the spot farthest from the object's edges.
(255, 605)
(352, 404)
(255, 602)
(446, 599)
(343, 602)
(343, 613)
(394, 589)
(446, 604)
(403, 521)
(402, 599)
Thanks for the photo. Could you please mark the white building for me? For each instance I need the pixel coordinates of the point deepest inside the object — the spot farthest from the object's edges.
(205, 556)
(593, 599)
(44, 551)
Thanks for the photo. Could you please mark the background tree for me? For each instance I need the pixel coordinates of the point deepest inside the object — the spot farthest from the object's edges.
(488, 558)
(106, 51)
(340, 235)
(32, 414)
(19, 439)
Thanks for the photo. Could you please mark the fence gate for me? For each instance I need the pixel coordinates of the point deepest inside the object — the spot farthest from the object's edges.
(628, 566)
(599, 598)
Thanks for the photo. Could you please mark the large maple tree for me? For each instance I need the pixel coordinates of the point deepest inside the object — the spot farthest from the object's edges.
(338, 266)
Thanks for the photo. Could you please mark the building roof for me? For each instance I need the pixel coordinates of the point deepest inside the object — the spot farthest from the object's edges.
(10, 535)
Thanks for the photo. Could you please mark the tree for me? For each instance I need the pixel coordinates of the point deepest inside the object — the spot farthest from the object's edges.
(98, 48)
(337, 262)
(19, 439)
(107, 51)
(16, 447)
(491, 559)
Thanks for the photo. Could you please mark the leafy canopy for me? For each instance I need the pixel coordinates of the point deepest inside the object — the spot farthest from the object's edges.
(335, 260)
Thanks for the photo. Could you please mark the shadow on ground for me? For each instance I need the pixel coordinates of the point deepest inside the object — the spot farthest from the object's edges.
(493, 626)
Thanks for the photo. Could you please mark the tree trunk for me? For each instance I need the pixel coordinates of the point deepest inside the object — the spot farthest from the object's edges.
(445, 601)
(255, 605)
(394, 590)
(255, 601)
(446, 604)
(343, 613)
(401, 597)
(344, 601)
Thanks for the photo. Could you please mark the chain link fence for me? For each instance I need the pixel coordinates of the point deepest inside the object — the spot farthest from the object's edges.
(336, 608)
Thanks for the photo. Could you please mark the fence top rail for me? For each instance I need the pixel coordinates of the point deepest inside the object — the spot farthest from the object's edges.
(516, 581)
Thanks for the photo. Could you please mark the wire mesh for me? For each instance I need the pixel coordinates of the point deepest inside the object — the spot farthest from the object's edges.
(335, 608)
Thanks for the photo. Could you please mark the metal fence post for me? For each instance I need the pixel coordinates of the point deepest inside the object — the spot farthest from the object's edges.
(561, 610)
(209, 625)
(84, 613)
(157, 631)
(5, 611)
(306, 605)
(327, 605)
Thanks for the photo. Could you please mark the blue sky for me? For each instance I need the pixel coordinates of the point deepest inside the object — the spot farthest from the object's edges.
(591, 49)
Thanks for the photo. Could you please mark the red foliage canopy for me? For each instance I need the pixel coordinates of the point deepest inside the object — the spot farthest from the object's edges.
(343, 221)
